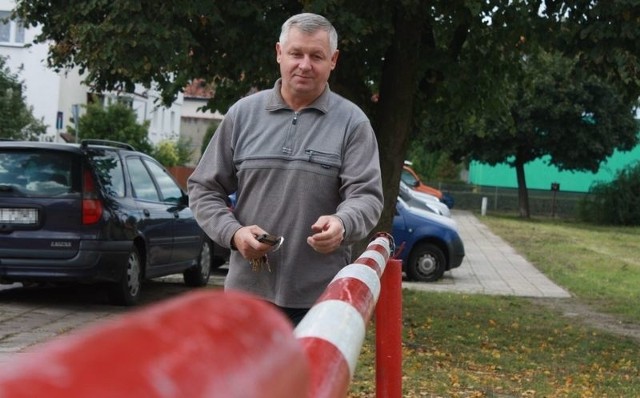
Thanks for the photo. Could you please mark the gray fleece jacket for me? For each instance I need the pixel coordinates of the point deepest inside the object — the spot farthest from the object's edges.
(288, 168)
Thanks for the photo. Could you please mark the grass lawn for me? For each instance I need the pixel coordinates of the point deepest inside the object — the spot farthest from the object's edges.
(599, 265)
(457, 345)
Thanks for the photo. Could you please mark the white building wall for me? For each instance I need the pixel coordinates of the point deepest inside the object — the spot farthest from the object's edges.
(73, 93)
(51, 94)
(30, 64)
(195, 124)
(165, 122)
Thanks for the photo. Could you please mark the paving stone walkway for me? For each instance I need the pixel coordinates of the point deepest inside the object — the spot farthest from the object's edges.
(491, 266)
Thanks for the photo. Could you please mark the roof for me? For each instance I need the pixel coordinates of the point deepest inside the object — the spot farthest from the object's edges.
(199, 88)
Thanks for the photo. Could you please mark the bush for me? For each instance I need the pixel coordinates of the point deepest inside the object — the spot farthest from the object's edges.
(165, 153)
(115, 122)
(616, 202)
(171, 153)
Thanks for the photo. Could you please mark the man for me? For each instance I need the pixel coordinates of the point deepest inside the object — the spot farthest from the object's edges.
(304, 164)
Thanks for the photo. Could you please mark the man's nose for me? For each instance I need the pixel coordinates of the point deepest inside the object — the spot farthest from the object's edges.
(305, 63)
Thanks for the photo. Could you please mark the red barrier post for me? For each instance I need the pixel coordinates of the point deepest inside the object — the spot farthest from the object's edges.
(201, 344)
(333, 331)
(388, 319)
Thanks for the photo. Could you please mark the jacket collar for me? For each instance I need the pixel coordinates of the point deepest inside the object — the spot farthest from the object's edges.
(276, 102)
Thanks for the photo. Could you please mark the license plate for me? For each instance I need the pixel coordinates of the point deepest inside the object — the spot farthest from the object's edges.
(19, 216)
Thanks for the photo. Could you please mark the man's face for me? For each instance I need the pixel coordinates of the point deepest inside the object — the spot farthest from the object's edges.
(305, 62)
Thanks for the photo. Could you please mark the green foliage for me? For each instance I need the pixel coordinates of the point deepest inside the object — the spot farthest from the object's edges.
(432, 166)
(166, 44)
(552, 104)
(18, 122)
(165, 152)
(616, 202)
(116, 122)
(171, 153)
(438, 67)
(604, 37)
(183, 150)
(177, 42)
(554, 107)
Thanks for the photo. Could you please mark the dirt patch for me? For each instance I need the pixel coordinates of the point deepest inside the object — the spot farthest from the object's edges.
(573, 308)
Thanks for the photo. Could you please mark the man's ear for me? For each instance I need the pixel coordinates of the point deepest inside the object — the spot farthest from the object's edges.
(278, 52)
(334, 59)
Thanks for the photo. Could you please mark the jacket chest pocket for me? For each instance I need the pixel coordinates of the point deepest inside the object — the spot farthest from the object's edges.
(323, 161)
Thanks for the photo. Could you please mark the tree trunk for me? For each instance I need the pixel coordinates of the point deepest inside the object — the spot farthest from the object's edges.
(523, 193)
(394, 113)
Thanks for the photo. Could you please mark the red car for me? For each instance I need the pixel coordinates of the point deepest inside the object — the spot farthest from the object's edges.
(410, 177)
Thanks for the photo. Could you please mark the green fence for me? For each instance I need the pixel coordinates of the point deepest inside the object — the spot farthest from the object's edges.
(545, 203)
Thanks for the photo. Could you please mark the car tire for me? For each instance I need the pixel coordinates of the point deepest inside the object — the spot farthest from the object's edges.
(427, 263)
(217, 262)
(199, 274)
(127, 290)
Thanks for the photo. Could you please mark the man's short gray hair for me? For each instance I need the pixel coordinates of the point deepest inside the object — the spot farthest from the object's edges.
(310, 23)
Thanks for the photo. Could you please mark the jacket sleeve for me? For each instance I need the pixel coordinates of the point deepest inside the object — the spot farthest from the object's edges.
(211, 183)
(361, 184)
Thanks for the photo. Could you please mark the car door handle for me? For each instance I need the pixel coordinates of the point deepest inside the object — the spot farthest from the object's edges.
(146, 212)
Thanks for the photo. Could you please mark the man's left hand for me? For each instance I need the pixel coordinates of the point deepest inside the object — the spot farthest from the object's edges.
(328, 234)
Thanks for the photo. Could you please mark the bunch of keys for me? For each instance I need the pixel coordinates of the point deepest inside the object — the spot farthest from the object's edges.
(273, 240)
(258, 263)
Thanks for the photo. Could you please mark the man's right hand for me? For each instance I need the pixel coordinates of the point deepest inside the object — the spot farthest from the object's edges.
(246, 243)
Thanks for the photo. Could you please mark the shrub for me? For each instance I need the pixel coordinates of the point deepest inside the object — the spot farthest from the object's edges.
(616, 202)
(171, 153)
(115, 122)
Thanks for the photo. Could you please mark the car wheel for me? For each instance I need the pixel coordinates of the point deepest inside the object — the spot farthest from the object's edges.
(217, 262)
(427, 263)
(198, 275)
(127, 290)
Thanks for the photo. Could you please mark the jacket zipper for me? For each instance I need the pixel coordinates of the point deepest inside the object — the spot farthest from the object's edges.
(285, 148)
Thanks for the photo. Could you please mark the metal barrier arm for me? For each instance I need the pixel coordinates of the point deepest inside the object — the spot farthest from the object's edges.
(222, 344)
(333, 331)
(202, 344)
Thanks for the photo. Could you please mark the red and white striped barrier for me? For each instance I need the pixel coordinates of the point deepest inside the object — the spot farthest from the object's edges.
(224, 344)
(333, 331)
(202, 344)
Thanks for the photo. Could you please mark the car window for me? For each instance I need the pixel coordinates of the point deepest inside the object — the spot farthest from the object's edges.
(143, 185)
(38, 173)
(408, 178)
(109, 170)
(169, 190)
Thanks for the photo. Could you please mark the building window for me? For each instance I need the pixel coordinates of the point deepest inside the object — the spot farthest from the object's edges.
(126, 101)
(10, 31)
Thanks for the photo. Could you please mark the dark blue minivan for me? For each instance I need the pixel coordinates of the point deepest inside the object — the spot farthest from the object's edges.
(96, 212)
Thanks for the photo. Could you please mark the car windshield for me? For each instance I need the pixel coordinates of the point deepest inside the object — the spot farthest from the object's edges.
(408, 178)
(38, 173)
